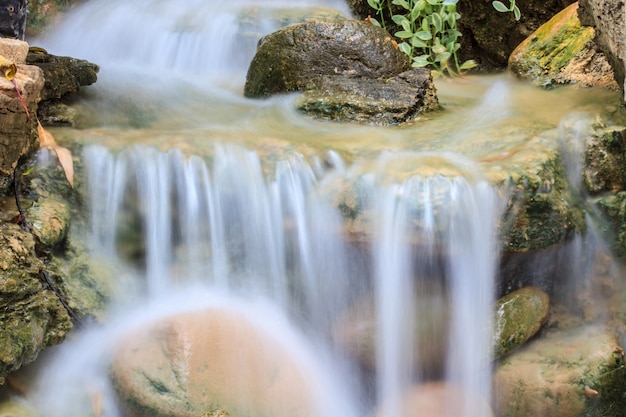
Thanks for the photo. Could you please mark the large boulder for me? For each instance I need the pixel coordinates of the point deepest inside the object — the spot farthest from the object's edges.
(607, 16)
(349, 71)
(291, 58)
(208, 361)
(562, 52)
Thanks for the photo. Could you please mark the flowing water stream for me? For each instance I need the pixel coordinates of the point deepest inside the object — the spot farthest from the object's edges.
(202, 198)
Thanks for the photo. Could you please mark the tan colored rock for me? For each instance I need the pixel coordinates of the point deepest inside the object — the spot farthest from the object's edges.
(439, 399)
(562, 51)
(14, 50)
(558, 374)
(18, 129)
(216, 359)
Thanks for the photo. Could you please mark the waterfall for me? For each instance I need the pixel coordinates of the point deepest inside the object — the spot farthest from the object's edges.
(226, 226)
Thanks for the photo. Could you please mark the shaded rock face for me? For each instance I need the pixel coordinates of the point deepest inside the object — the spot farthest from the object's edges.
(562, 52)
(607, 17)
(289, 59)
(210, 361)
(566, 373)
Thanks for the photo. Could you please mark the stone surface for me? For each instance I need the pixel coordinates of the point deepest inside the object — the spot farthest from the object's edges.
(562, 52)
(291, 58)
(605, 160)
(18, 133)
(31, 318)
(14, 50)
(399, 99)
(570, 373)
(49, 220)
(519, 315)
(63, 75)
(439, 399)
(207, 361)
(607, 16)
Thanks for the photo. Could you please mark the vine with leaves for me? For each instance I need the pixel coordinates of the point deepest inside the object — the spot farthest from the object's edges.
(428, 31)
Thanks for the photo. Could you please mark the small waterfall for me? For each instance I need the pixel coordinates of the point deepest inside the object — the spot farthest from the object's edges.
(230, 227)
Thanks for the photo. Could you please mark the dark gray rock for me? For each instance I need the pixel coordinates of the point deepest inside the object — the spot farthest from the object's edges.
(294, 57)
(396, 100)
(13, 19)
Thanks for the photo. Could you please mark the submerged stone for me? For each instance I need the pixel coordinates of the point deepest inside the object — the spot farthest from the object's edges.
(575, 372)
(213, 361)
(440, 399)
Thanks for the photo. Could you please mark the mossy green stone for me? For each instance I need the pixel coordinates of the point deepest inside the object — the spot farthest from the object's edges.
(518, 317)
(551, 48)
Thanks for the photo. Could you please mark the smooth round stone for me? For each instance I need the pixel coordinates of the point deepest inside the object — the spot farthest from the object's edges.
(210, 361)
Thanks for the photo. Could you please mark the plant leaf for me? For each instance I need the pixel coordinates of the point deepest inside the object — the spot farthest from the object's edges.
(8, 68)
(469, 64)
(499, 6)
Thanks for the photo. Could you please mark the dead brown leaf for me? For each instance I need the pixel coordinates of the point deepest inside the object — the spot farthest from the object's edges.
(46, 140)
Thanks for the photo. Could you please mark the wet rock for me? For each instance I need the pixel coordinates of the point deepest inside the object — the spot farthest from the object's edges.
(18, 132)
(396, 100)
(566, 373)
(605, 160)
(290, 59)
(562, 52)
(31, 318)
(356, 332)
(215, 361)
(613, 229)
(49, 220)
(607, 17)
(519, 316)
(539, 213)
(439, 399)
(63, 75)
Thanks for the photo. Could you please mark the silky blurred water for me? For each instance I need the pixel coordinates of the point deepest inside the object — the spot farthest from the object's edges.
(200, 197)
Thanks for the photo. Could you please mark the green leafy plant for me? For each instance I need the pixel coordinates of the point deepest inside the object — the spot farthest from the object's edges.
(429, 34)
(501, 7)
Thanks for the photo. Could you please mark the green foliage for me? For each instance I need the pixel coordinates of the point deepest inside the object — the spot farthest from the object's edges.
(499, 6)
(428, 35)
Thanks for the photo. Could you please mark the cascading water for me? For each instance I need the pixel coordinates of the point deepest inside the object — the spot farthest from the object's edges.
(219, 225)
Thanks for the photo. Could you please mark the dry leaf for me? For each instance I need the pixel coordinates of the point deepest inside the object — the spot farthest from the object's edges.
(8, 68)
(46, 140)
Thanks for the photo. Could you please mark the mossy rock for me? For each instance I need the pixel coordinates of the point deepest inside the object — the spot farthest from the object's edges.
(562, 51)
(518, 317)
